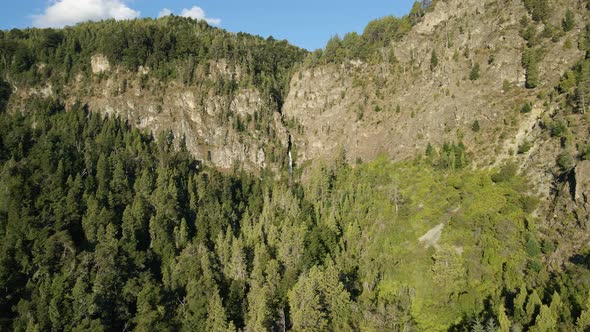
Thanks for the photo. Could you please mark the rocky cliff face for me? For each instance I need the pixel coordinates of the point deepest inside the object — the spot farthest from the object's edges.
(218, 129)
(398, 107)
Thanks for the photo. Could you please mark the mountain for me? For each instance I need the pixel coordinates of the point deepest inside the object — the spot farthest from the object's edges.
(523, 106)
(221, 91)
(429, 174)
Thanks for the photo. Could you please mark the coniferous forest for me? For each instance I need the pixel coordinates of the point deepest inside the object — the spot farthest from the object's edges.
(107, 227)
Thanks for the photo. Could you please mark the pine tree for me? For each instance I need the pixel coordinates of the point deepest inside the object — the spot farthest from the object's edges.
(181, 234)
(103, 178)
(556, 304)
(259, 312)
(223, 249)
(119, 192)
(491, 325)
(91, 221)
(151, 311)
(583, 322)
(134, 227)
(81, 301)
(569, 21)
(60, 305)
(503, 319)
(337, 298)
(305, 301)
(546, 321)
(109, 276)
(530, 62)
(273, 282)
(433, 60)
(532, 305)
(237, 264)
(74, 207)
(474, 73)
(478, 326)
(5, 92)
(216, 317)
(583, 88)
(194, 306)
(519, 304)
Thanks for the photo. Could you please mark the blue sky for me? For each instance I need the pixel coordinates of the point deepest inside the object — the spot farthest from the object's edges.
(306, 23)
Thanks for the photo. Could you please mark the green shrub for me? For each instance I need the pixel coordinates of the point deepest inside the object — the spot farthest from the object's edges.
(568, 82)
(536, 265)
(548, 246)
(533, 248)
(524, 147)
(526, 108)
(558, 128)
(530, 61)
(433, 60)
(529, 203)
(360, 113)
(565, 162)
(530, 35)
(506, 173)
(430, 151)
(539, 9)
(474, 74)
(569, 21)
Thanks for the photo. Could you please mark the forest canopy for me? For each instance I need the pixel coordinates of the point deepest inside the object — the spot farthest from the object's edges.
(104, 227)
(171, 47)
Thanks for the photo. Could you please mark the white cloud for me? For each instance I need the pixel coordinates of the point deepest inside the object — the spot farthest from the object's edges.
(69, 12)
(199, 14)
(164, 12)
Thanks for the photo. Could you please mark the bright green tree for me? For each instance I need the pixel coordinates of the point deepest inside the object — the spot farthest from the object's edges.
(546, 320)
(308, 311)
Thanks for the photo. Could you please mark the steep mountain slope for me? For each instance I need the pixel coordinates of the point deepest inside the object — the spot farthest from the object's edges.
(222, 92)
(401, 105)
(461, 75)
(440, 175)
(126, 232)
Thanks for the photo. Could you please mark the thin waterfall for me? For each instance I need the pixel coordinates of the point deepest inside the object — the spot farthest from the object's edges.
(290, 162)
(290, 156)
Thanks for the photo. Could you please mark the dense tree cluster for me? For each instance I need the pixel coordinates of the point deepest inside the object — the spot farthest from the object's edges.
(377, 35)
(172, 47)
(94, 216)
(103, 227)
